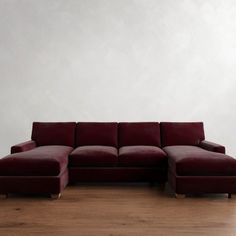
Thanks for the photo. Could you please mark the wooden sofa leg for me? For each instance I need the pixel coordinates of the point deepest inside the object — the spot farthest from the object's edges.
(179, 195)
(56, 196)
(230, 195)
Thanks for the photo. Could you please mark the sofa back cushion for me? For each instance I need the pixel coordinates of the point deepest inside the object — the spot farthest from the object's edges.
(139, 133)
(181, 133)
(96, 133)
(54, 133)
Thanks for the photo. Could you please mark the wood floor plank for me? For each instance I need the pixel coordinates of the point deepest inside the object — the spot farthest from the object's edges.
(114, 210)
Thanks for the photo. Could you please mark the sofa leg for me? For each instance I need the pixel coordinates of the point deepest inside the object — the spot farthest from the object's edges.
(230, 195)
(56, 196)
(3, 196)
(179, 195)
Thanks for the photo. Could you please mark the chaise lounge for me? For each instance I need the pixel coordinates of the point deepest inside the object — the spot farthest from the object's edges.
(196, 165)
(39, 165)
(63, 152)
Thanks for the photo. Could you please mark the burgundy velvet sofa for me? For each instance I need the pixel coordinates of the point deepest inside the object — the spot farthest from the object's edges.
(63, 152)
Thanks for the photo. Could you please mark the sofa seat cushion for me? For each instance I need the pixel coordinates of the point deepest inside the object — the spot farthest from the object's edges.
(93, 156)
(195, 161)
(145, 156)
(40, 161)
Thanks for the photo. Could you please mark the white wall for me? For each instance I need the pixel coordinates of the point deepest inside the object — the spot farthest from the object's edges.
(117, 60)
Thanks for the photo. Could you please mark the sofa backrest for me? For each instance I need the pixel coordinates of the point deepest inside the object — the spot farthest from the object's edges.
(54, 133)
(181, 133)
(139, 133)
(97, 133)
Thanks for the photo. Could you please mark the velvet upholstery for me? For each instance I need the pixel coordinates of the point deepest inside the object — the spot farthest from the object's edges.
(94, 156)
(142, 156)
(195, 161)
(22, 147)
(181, 133)
(96, 133)
(40, 161)
(139, 133)
(54, 133)
(210, 146)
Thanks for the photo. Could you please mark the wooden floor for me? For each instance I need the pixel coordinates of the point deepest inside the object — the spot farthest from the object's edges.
(117, 210)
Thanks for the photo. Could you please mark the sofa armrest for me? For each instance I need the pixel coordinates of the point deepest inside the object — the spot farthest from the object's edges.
(210, 146)
(22, 147)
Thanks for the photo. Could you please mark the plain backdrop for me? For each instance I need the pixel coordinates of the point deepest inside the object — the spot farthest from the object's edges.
(117, 60)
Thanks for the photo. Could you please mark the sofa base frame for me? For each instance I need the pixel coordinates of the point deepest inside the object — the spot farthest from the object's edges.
(202, 184)
(52, 185)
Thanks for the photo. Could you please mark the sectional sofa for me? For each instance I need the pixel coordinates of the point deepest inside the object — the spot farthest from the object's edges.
(66, 152)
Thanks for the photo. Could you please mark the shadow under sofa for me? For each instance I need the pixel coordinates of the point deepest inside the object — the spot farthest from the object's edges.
(63, 152)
